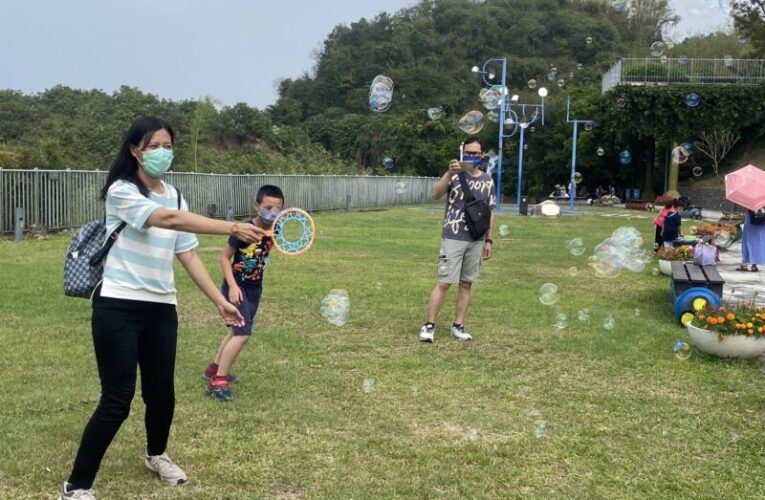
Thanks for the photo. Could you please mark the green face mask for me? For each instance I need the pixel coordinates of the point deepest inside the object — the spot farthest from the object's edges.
(157, 162)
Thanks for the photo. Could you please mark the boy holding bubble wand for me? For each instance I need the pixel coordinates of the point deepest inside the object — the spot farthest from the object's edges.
(243, 265)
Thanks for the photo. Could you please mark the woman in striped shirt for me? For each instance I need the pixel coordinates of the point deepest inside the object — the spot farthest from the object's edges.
(134, 321)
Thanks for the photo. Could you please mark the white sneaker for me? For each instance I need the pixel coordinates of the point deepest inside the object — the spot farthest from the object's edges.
(66, 493)
(460, 334)
(166, 469)
(426, 333)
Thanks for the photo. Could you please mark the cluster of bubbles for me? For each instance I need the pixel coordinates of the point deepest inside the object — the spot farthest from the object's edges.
(549, 294)
(625, 157)
(472, 122)
(622, 250)
(575, 246)
(682, 350)
(435, 113)
(380, 94)
(336, 306)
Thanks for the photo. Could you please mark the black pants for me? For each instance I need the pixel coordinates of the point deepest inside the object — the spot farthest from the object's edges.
(658, 241)
(128, 334)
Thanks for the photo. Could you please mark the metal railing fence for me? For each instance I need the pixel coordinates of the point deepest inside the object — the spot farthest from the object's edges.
(65, 199)
(684, 71)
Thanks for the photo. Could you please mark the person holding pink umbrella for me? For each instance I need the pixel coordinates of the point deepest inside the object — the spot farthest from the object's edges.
(746, 187)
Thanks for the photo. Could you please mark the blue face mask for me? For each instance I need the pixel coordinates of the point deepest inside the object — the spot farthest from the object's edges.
(157, 161)
(268, 216)
(474, 159)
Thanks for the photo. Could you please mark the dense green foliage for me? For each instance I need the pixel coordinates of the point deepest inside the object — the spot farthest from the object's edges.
(321, 122)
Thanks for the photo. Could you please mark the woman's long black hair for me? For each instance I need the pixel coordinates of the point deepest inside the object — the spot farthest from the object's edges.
(125, 167)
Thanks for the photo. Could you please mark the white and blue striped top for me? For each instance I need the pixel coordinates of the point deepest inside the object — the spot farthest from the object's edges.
(140, 264)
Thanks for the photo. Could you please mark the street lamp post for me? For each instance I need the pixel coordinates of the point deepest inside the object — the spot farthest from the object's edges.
(572, 182)
(508, 116)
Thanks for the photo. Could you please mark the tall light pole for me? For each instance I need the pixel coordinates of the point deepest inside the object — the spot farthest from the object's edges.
(509, 117)
(572, 182)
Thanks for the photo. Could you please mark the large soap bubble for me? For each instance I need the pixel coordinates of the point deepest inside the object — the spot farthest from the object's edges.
(336, 306)
(549, 294)
(472, 122)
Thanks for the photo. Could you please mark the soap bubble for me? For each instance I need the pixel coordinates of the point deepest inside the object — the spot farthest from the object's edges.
(583, 315)
(561, 82)
(493, 116)
(600, 151)
(561, 320)
(400, 187)
(504, 229)
(552, 76)
(680, 154)
(682, 350)
(471, 123)
(655, 271)
(588, 126)
(575, 246)
(625, 157)
(577, 177)
(549, 294)
(471, 434)
(336, 306)
(380, 94)
(683, 59)
(540, 427)
(728, 61)
(608, 322)
(435, 113)
(588, 40)
(621, 102)
(573, 271)
(688, 147)
(636, 312)
(722, 239)
(490, 98)
(692, 100)
(619, 6)
(532, 84)
(368, 385)
(657, 48)
(697, 171)
(388, 163)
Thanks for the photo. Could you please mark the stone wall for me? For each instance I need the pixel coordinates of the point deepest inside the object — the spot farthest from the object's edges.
(706, 196)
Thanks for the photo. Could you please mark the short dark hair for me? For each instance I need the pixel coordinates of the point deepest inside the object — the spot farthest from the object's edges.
(471, 140)
(268, 190)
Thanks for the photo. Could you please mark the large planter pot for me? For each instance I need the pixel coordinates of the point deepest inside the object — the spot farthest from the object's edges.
(665, 267)
(733, 346)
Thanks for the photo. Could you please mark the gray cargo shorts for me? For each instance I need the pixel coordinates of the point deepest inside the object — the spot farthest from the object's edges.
(459, 261)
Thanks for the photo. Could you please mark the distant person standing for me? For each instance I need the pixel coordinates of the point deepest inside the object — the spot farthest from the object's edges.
(753, 241)
(460, 257)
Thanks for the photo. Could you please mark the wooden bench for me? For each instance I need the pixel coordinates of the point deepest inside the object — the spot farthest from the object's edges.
(687, 275)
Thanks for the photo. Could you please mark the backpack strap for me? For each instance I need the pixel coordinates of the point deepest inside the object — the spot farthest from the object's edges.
(465, 188)
(180, 196)
(99, 256)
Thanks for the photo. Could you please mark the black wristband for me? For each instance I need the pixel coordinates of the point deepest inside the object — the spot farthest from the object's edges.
(489, 240)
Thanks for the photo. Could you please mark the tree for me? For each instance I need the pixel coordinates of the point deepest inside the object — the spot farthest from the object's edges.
(648, 19)
(716, 144)
(749, 20)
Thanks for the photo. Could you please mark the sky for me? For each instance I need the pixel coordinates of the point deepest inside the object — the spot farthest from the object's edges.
(231, 50)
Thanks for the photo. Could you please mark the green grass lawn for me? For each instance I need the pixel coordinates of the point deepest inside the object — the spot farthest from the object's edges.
(624, 418)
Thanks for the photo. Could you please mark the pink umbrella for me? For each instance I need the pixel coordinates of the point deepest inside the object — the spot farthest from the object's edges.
(746, 187)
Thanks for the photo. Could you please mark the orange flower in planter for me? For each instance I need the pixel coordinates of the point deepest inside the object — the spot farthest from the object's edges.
(741, 319)
(730, 317)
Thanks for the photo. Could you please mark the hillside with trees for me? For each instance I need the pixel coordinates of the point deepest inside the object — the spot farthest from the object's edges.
(321, 122)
